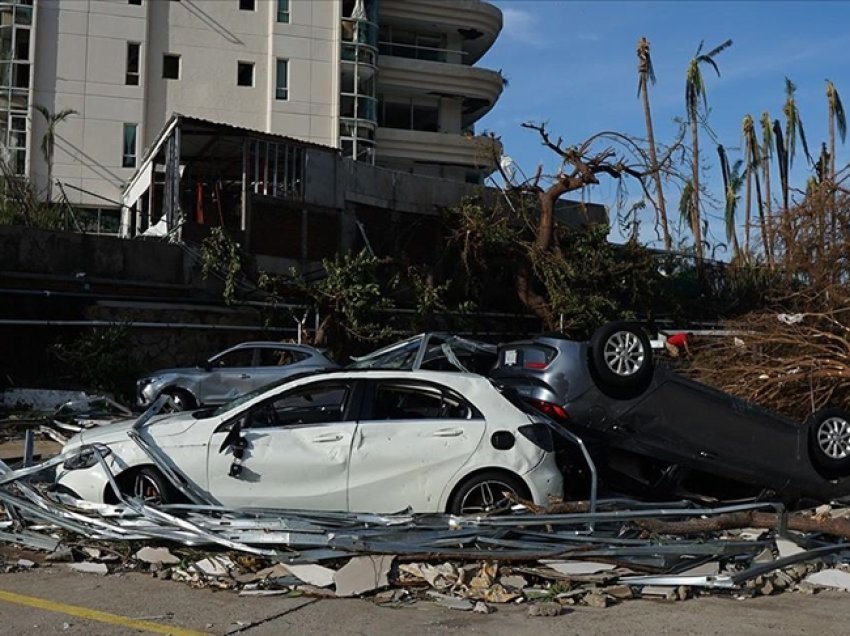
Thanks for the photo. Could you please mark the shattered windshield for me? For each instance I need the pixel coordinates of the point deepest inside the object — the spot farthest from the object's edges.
(433, 351)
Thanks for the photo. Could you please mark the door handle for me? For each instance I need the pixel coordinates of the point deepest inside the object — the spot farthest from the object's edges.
(448, 432)
(245, 376)
(328, 437)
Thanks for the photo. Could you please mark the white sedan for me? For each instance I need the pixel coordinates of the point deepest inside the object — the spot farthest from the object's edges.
(377, 441)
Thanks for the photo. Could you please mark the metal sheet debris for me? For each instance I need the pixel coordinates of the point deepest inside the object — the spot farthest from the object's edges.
(596, 558)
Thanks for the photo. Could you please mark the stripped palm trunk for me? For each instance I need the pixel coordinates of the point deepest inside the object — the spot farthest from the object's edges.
(646, 75)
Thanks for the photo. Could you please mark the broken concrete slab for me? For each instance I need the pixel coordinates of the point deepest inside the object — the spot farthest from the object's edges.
(158, 556)
(87, 567)
(831, 578)
(363, 574)
(577, 567)
(787, 548)
(311, 574)
(451, 602)
(214, 566)
(482, 608)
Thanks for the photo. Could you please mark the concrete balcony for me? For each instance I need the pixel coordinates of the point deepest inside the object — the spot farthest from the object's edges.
(478, 88)
(478, 23)
(438, 148)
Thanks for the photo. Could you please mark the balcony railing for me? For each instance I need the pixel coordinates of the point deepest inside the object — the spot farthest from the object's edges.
(418, 52)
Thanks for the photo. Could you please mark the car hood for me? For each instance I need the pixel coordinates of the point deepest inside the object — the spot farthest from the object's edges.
(159, 426)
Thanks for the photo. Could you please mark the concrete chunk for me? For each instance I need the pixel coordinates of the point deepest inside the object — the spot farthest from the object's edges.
(161, 556)
(833, 578)
(89, 568)
(317, 575)
(362, 574)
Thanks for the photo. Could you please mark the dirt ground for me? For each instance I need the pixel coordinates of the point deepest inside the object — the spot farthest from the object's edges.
(57, 600)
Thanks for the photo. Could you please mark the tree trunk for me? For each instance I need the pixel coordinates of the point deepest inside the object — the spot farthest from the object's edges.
(762, 220)
(747, 212)
(768, 237)
(661, 209)
(535, 303)
(695, 212)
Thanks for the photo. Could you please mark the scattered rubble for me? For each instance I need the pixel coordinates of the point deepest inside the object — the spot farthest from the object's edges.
(551, 561)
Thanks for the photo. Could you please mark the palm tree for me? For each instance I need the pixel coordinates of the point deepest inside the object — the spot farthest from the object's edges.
(646, 76)
(694, 94)
(48, 140)
(752, 155)
(766, 154)
(793, 129)
(732, 181)
(836, 117)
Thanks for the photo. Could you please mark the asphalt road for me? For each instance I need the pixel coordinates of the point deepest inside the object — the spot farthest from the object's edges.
(53, 600)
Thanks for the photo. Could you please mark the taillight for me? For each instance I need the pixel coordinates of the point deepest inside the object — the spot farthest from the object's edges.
(555, 411)
(536, 365)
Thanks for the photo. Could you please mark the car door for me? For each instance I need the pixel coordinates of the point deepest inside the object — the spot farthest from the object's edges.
(412, 438)
(230, 375)
(297, 446)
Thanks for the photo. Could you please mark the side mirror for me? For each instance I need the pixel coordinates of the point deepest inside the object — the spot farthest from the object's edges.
(206, 365)
(234, 439)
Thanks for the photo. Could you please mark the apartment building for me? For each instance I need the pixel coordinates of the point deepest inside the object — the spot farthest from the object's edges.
(388, 82)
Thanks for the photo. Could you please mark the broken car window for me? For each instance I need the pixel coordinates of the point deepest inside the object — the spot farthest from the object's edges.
(314, 404)
(416, 402)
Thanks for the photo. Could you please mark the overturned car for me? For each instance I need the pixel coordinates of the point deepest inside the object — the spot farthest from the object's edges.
(654, 433)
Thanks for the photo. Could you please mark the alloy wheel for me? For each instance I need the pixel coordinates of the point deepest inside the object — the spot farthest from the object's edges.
(624, 353)
(147, 489)
(486, 497)
(833, 437)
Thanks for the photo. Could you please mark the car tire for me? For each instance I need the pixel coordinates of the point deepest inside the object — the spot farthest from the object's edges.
(829, 440)
(481, 494)
(620, 355)
(151, 486)
(181, 400)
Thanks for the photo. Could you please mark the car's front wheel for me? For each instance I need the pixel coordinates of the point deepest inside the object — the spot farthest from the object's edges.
(829, 440)
(149, 485)
(487, 492)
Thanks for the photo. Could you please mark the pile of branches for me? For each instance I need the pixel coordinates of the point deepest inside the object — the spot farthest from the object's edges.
(794, 363)
(794, 355)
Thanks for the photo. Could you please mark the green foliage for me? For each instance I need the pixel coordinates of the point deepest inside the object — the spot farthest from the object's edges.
(101, 360)
(222, 256)
(588, 280)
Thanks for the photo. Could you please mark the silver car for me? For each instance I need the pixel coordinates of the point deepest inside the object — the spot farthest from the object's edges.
(233, 372)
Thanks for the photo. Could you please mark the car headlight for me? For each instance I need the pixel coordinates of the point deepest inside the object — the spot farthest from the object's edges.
(86, 458)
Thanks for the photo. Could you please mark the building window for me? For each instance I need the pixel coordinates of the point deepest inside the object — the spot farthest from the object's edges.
(128, 159)
(244, 73)
(136, 2)
(132, 76)
(170, 66)
(282, 80)
(247, 5)
(283, 11)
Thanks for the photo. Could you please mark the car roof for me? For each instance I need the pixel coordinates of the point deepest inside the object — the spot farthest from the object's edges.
(271, 344)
